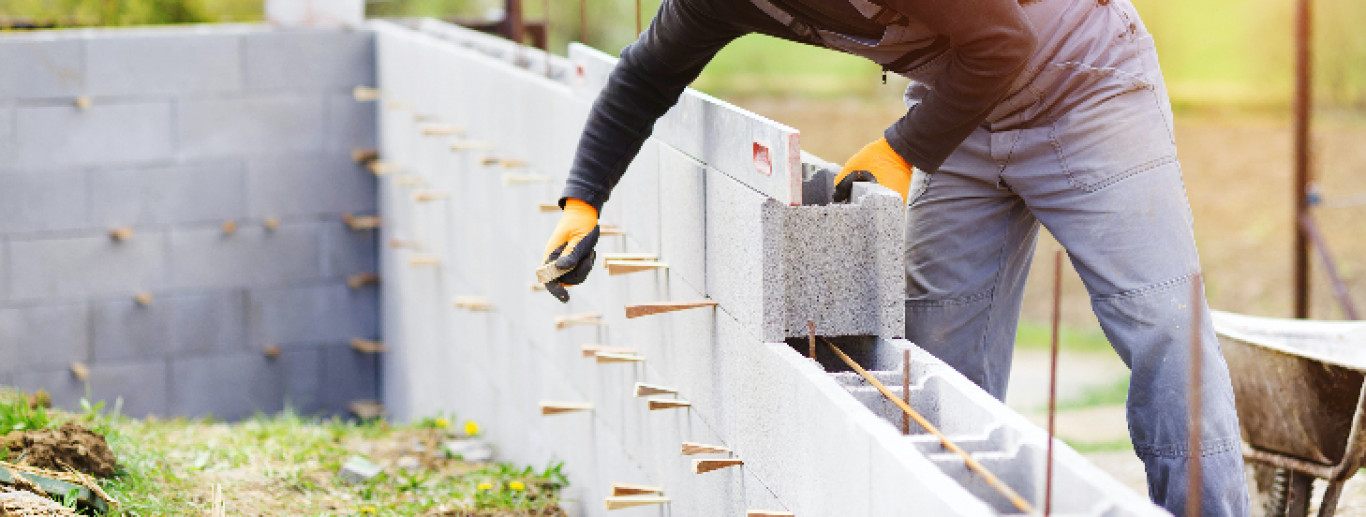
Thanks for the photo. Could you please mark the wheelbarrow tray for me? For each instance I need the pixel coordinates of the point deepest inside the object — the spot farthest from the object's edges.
(1296, 382)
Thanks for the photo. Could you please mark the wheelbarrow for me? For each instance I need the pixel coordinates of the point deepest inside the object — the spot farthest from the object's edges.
(1301, 404)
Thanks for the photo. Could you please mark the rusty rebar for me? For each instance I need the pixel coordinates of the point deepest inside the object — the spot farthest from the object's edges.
(638, 30)
(1193, 474)
(905, 389)
(1053, 381)
(811, 340)
(972, 464)
(1330, 268)
(583, 21)
(1303, 99)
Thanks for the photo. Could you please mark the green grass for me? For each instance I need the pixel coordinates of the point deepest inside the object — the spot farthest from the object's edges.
(1107, 446)
(1033, 335)
(1111, 395)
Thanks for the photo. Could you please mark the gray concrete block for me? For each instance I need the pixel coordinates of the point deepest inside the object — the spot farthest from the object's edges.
(308, 60)
(330, 313)
(229, 387)
(86, 266)
(256, 125)
(40, 202)
(44, 336)
(171, 326)
(347, 376)
(6, 129)
(289, 186)
(744, 255)
(346, 252)
(103, 134)
(350, 124)
(163, 62)
(303, 385)
(683, 219)
(176, 194)
(41, 66)
(251, 256)
(141, 385)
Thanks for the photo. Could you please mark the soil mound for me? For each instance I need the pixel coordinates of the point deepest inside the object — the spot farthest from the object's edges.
(71, 445)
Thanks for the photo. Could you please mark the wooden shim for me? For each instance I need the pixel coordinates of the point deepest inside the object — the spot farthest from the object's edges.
(549, 271)
(438, 129)
(548, 207)
(84, 102)
(691, 448)
(593, 350)
(361, 222)
(537, 287)
(272, 351)
(646, 309)
(608, 229)
(512, 180)
(621, 267)
(608, 357)
(365, 94)
(366, 409)
(424, 259)
(361, 155)
(409, 180)
(121, 234)
(768, 513)
(144, 298)
(381, 167)
(400, 244)
(658, 404)
(622, 489)
(645, 390)
(466, 145)
(359, 280)
(704, 466)
(229, 227)
(628, 501)
(396, 106)
(473, 303)
(367, 346)
(570, 320)
(555, 408)
(647, 257)
(423, 196)
(271, 223)
(80, 371)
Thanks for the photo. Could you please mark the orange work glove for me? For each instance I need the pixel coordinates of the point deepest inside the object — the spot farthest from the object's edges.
(878, 163)
(569, 253)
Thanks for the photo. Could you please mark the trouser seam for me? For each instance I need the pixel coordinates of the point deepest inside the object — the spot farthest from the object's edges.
(1142, 291)
(951, 301)
(1215, 447)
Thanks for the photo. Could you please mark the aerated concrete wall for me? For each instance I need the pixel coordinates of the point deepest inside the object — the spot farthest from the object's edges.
(476, 136)
(172, 133)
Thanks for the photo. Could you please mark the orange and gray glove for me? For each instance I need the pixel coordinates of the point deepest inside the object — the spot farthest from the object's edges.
(877, 163)
(569, 254)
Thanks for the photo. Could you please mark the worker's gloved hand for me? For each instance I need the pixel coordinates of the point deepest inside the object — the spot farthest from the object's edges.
(570, 248)
(878, 163)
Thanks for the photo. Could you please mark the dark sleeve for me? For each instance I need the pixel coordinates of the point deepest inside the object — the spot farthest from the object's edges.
(652, 73)
(990, 41)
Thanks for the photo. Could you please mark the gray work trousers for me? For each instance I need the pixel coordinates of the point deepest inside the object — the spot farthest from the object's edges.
(1095, 163)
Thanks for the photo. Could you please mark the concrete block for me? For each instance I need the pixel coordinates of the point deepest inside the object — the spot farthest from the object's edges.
(230, 387)
(171, 326)
(162, 63)
(347, 376)
(358, 469)
(176, 194)
(86, 266)
(252, 256)
(44, 337)
(40, 202)
(58, 136)
(289, 186)
(142, 386)
(350, 124)
(744, 254)
(256, 125)
(331, 313)
(345, 252)
(309, 60)
(683, 218)
(303, 371)
(6, 129)
(43, 66)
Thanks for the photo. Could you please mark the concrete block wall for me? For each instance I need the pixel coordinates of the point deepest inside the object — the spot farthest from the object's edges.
(173, 132)
(460, 223)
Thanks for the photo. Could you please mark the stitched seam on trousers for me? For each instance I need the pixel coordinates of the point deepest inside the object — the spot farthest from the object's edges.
(995, 282)
(1180, 451)
(951, 301)
(1162, 286)
(1142, 167)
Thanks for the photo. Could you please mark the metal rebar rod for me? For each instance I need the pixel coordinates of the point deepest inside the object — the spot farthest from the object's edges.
(1193, 474)
(545, 28)
(905, 389)
(972, 464)
(1053, 381)
(638, 31)
(1303, 99)
(811, 340)
(583, 21)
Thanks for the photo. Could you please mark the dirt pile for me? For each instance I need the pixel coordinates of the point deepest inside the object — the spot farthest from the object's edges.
(54, 449)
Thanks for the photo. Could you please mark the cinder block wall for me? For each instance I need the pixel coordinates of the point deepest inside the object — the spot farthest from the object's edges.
(173, 132)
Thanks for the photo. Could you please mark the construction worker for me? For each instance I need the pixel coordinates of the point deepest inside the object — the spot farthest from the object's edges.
(1020, 113)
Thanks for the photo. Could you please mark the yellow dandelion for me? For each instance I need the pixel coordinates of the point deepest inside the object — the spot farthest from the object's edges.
(517, 485)
(442, 423)
(485, 486)
(368, 510)
(471, 428)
